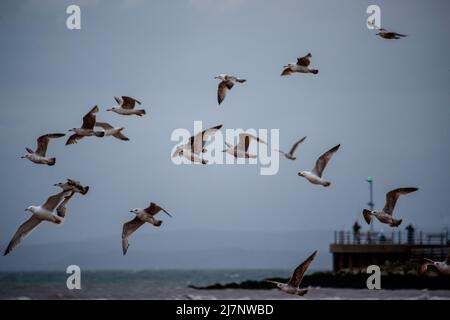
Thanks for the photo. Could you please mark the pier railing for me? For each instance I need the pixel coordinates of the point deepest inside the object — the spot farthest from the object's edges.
(392, 237)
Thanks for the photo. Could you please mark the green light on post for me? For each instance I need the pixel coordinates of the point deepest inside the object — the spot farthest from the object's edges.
(369, 179)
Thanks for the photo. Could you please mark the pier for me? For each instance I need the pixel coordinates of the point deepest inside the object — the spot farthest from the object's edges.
(353, 250)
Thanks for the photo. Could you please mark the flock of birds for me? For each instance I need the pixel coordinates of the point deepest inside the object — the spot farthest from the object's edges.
(193, 150)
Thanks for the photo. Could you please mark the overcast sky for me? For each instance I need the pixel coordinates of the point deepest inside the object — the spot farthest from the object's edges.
(385, 102)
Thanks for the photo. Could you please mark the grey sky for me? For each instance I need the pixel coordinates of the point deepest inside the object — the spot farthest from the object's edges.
(386, 102)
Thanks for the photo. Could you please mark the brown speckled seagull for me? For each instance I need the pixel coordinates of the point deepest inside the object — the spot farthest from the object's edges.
(73, 187)
(302, 66)
(290, 154)
(443, 267)
(142, 216)
(116, 132)
(38, 156)
(126, 106)
(87, 128)
(292, 287)
(241, 149)
(226, 83)
(196, 145)
(390, 35)
(385, 215)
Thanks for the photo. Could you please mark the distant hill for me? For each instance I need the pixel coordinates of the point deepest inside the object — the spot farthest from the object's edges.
(177, 250)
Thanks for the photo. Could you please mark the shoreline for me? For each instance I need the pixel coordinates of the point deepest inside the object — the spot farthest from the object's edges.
(343, 281)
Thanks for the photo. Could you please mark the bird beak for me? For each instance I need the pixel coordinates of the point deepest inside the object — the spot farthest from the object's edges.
(131, 211)
(22, 157)
(270, 281)
(108, 109)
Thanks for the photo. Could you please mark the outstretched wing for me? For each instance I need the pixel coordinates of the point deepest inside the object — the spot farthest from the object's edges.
(89, 118)
(73, 139)
(21, 233)
(54, 200)
(294, 147)
(322, 162)
(128, 102)
(153, 209)
(104, 125)
(198, 141)
(128, 228)
(42, 142)
(222, 89)
(304, 61)
(245, 139)
(392, 197)
(297, 276)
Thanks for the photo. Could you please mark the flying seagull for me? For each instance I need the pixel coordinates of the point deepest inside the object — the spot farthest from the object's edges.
(125, 106)
(315, 177)
(241, 149)
(116, 132)
(40, 213)
(142, 216)
(196, 145)
(226, 83)
(87, 128)
(73, 187)
(292, 287)
(38, 156)
(385, 216)
(390, 35)
(442, 266)
(290, 154)
(302, 66)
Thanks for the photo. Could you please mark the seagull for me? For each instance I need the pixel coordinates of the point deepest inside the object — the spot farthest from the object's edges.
(442, 266)
(315, 177)
(87, 128)
(73, 187)
(301, 66)
(226, 83)
(292, 287)
(126, 106)
(390, 35)
(38, 156)
(142, 216)
(196, 145)
(116, 132)
(241, 149)
(290, 154)
(40, 213)
(385, 216)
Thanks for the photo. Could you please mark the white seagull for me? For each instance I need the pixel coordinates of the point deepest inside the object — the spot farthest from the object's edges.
(290, 154)
(40, 213)
(126, 106)
(302, 66)
(385, 215)
(315, 176)
(241, 149)
(142, 216)
(38, 156)
(196, 145)
(87, 128)
(442, 266)
(116, 132)
(226, 83)
(292, 287)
